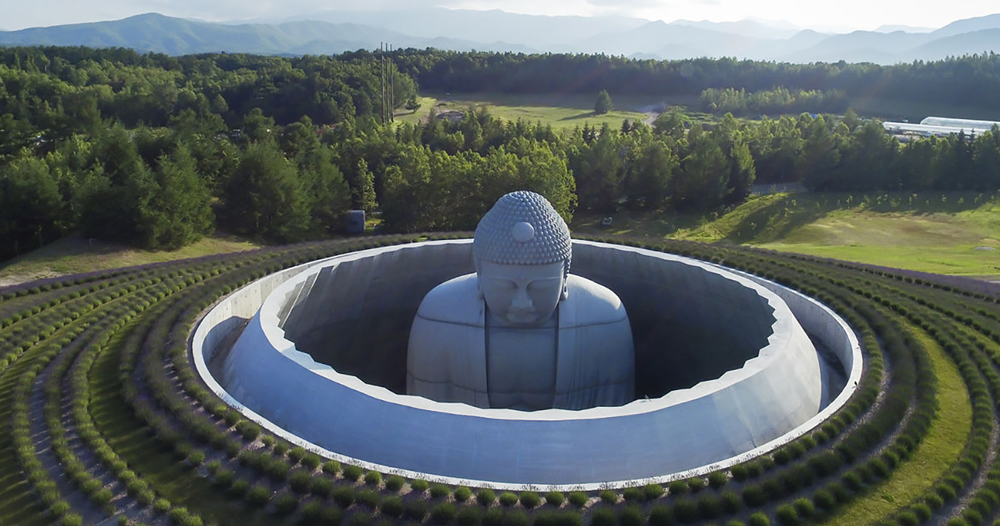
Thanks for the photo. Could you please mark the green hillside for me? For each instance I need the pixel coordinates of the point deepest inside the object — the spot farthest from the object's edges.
(176, 36)
(947, 233)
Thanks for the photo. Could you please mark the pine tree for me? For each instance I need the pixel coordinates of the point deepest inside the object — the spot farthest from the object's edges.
(180, 211)
(363, 193)
(603, 104)
(264, 197)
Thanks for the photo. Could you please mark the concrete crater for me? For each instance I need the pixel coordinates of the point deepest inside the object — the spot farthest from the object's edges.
(355, 316)
(725, 370)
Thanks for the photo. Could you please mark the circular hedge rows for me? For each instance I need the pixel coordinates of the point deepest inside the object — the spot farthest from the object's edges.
(105, 420)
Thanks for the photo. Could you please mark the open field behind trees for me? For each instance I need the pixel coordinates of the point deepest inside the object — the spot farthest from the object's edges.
(561, 111)
(568, 110)
(942, 232)
(106, 422)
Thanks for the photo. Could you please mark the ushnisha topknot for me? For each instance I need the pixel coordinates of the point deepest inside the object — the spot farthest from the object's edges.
(522, 228)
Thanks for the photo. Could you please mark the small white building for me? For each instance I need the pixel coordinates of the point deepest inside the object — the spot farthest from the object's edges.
(939, 127)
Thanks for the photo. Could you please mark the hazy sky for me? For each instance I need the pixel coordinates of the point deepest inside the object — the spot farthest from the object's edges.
(817, 14)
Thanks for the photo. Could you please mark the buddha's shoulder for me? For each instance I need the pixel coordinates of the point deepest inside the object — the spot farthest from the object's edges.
(454, 301)
(590, 303)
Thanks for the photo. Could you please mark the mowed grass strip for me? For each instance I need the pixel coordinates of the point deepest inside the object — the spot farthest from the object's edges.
(133, 441)
(938, 451)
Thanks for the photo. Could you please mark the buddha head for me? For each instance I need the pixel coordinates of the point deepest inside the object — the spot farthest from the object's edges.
(522, 252)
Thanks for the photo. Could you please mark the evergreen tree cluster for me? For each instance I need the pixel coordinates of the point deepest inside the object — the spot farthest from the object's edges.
(157, 151)
(969, 80)
(778, 101)
(148, 149)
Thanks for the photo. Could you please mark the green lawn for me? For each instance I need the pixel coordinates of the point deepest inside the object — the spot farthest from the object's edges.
(949, 233)
(938, 451)
(413, 117)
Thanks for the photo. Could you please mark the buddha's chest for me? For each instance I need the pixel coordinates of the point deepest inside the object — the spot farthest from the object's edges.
(521, 367)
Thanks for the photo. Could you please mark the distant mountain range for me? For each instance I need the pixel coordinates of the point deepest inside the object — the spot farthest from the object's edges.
(462, 30)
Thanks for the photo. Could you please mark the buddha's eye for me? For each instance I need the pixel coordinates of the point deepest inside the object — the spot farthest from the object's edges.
(505, 284)
(543, 285)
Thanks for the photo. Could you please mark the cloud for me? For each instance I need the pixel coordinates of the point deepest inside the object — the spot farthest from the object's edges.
(634, 4)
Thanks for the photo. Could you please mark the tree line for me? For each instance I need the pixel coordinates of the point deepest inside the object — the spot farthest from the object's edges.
(777, 101)
(157, 151)
(967, 80)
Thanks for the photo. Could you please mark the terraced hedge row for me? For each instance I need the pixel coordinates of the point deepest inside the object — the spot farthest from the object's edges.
(104, 418)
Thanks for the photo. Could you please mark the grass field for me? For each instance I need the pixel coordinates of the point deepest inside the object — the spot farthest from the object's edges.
(566, 111)
(413, 117)
(75, 254)
(560, 111)
(947, 233)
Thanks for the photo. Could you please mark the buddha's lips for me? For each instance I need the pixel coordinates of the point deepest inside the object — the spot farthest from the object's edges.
(521, 316)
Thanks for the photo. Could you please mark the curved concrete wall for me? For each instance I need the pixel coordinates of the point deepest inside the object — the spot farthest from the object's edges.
(355, 316)
(721, 421)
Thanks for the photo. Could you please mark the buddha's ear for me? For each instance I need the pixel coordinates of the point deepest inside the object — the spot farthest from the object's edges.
(479, 282)
(565, 290)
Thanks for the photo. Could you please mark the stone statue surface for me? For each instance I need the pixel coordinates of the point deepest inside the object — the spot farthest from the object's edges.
(521, 332)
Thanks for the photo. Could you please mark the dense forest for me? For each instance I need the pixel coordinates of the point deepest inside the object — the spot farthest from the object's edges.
(971, 79)
(157, 151)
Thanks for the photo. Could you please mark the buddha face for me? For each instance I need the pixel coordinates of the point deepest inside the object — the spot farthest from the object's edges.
(521, 295)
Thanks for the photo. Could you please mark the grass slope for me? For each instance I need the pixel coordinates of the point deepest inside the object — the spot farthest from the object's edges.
(75, 254)
(939, 449)
(949, 233)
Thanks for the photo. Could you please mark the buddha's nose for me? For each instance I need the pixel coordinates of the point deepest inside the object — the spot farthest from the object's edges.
(521, 300)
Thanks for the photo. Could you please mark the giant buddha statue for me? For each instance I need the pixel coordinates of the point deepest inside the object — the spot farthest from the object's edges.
(521, 332)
